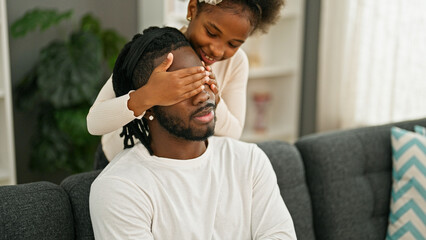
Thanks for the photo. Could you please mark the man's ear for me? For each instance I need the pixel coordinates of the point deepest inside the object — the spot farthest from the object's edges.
(192, 9)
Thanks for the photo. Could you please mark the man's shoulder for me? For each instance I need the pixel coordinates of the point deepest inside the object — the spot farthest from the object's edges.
(127, 166)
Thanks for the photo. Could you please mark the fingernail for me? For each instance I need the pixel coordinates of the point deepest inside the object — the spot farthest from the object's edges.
(202, 87)
(207, 73)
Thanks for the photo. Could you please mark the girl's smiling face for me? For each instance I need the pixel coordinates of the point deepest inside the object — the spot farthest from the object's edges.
(215, 33)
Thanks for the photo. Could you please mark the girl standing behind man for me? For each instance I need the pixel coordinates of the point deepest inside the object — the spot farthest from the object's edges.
(216, 30)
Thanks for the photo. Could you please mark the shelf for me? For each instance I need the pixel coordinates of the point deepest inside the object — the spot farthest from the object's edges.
(269, 72)
(276, 134)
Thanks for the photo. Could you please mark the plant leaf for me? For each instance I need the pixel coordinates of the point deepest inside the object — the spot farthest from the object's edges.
(112, 44)
(72, 122)
(90, 24)
(62, 86)
(25, 95)
(54, 149)
(50, 146)
(42, 18)
(69, 73)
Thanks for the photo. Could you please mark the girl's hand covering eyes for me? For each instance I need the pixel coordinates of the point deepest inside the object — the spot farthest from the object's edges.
(168, 88)
(213, 83)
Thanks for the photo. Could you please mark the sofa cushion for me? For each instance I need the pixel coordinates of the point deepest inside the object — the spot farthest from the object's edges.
(288, 167)
(408, 201)
(78, 188)
(39, 210)
(349, 178)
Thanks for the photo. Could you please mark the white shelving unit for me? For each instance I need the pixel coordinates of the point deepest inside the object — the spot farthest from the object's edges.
(275, 65)
(275, 69)
(7, 152)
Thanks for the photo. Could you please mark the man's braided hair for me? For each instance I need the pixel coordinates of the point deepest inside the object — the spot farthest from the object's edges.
(134, 66)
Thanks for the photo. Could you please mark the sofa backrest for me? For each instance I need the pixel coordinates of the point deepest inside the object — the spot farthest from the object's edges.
(288, 167)
(38, 210)
(78, 189)
(349, 178)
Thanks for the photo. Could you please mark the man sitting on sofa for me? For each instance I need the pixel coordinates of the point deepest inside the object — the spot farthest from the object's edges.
(179, 181)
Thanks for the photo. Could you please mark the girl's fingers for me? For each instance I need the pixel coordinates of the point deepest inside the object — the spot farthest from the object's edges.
(189, 71)
(211, 81)
(193, 92)
(202, 77)
(214, 88)
(165, 64)
(193, 85)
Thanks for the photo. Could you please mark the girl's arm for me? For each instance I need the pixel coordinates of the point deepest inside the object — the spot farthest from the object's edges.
(231, 109)
(108, 113)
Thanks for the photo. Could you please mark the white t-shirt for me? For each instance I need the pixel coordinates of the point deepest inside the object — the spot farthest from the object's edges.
(229, 192)
(109, 114)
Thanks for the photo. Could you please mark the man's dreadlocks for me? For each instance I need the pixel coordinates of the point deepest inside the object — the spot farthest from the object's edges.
(134, 66)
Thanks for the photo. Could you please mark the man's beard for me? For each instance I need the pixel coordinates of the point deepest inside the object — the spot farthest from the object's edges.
(176, 126)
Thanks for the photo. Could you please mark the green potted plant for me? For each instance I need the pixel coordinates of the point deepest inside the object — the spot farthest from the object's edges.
(61, 87)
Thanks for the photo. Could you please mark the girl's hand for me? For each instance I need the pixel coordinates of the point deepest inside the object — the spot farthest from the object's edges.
(213, 83)
(167, 88)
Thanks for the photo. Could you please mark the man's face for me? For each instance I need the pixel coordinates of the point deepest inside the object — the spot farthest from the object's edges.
(194, 118)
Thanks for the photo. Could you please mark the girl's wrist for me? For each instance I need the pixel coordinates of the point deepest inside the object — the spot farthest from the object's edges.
(138, 102)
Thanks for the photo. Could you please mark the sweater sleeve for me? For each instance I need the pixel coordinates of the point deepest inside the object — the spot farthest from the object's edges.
(119, 210)
(108, 113)
(270, 216)
(231, 109)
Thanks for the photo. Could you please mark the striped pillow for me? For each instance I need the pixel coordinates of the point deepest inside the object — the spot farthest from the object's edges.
(420, 130)
(407, 219)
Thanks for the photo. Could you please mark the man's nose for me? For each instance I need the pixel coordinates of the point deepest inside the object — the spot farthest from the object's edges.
(203, 96)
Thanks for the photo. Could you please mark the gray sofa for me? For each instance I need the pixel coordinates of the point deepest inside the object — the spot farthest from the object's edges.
(336, 186)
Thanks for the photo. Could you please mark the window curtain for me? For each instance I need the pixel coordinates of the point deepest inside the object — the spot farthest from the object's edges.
(372, 63)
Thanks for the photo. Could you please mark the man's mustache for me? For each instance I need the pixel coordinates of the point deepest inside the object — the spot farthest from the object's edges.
(208, 105)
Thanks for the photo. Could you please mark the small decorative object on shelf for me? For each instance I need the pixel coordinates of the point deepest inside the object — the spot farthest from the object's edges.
(261, 100)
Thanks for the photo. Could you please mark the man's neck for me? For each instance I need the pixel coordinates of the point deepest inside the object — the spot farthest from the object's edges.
(163, 144)
(179, 150)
